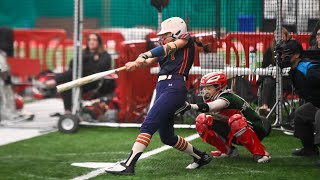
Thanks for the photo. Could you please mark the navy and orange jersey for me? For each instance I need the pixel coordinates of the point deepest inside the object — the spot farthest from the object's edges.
(181, 61)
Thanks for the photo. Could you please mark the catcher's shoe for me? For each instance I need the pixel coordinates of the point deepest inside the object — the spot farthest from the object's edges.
(233, 153)
(262, 158)
(121, 169)
(197, 163)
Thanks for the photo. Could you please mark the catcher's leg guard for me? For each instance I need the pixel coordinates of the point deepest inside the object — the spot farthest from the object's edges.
(246, 136)
(215, 140)
(224, 150)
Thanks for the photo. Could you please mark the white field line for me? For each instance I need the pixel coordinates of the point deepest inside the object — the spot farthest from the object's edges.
(143, 156)
(131, 125)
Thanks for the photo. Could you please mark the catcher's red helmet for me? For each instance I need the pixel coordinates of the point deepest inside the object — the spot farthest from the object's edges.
(216, 79)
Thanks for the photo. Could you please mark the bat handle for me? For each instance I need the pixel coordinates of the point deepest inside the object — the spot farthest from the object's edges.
(120, 69)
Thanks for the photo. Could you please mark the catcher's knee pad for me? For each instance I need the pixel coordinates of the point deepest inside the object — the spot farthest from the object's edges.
(203, 123)
(237, 124)
(245, 135)
(217, 141)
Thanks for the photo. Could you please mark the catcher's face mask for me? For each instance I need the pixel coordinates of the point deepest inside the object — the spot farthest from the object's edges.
(209, 93)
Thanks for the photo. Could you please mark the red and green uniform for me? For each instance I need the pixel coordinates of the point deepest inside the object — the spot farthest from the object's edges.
(236, 104)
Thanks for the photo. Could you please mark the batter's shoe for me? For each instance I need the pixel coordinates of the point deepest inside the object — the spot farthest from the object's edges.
(197, 163)
(121, 169)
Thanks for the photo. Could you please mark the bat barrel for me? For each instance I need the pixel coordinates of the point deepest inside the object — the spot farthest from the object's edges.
(86, 80)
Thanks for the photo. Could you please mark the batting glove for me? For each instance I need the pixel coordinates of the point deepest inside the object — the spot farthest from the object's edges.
(183, 109)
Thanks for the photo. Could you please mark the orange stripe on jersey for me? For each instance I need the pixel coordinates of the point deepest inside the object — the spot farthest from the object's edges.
(183, 62)
(187, 53)
(142, 142)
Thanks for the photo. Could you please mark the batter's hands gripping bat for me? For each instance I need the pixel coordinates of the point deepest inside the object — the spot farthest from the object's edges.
(86, 80)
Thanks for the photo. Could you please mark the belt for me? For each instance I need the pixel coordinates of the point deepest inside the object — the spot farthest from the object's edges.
(166, 77)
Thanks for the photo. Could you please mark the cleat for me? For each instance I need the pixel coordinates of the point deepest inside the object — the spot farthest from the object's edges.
(197, 163)
(261, 158)
(218, 154)
(306, 152)
(121, 169)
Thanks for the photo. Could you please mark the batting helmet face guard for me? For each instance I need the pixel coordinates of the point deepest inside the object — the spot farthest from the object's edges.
(213, 84)
(175, 25)
(289, 49)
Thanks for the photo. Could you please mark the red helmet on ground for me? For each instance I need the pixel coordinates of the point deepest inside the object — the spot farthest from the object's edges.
(203, 122)
(216, 79)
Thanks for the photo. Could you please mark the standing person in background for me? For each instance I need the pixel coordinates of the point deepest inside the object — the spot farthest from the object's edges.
(94, 59)
(175, 56)
(305, 75)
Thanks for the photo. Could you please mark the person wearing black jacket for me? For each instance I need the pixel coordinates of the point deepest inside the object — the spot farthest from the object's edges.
(267, 84)
(305, 75)
(95, 59)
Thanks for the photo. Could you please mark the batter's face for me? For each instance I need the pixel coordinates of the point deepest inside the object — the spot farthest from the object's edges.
(165, 38)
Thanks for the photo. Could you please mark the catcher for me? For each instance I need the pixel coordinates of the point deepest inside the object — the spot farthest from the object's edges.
(232, 120)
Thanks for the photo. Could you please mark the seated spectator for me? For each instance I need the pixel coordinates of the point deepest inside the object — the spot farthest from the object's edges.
(267, 84)
(95, 59)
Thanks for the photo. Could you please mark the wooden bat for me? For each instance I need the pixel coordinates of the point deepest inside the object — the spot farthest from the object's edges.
(86, 80)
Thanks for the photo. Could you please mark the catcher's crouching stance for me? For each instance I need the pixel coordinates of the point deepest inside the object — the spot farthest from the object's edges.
(233, 120)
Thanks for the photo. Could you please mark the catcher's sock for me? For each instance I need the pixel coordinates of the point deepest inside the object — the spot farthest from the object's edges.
(139, 146)
(184, 146)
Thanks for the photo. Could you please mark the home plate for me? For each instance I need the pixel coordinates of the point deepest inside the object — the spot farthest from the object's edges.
(94, 165)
